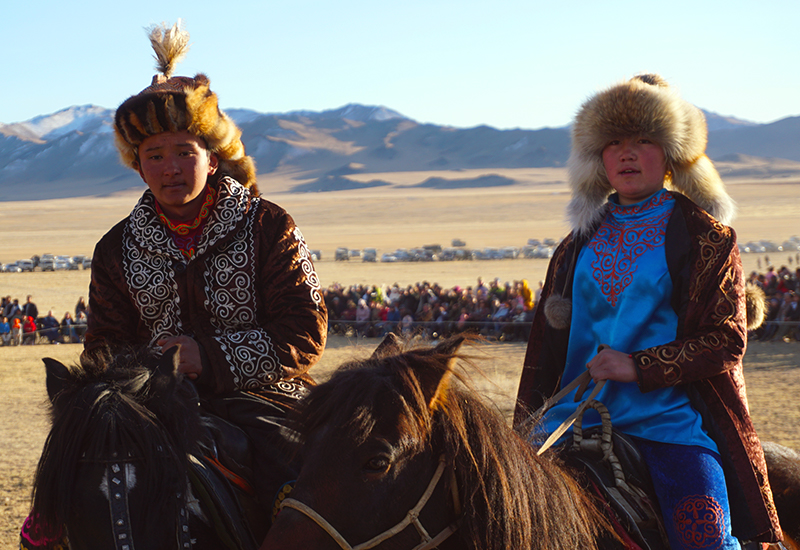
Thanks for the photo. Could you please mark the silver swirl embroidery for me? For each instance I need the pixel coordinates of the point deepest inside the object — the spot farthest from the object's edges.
(251, 358)
(230, 208)
(230, 283)
(292, 388)
(230, 289)
(147, 231)
(307, 266)
(153, 289)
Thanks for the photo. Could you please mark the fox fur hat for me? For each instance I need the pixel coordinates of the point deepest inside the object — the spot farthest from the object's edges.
(643, 106)
(180, 103)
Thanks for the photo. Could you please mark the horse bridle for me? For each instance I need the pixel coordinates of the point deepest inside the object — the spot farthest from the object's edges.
(120, 510)
(412, 518)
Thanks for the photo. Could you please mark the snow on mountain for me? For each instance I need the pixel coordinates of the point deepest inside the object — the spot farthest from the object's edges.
(365, 113)
(243, 116)
(84, 118)
(72, 153)
(351, 111)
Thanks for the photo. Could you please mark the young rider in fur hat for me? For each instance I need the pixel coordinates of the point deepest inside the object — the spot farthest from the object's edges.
(650, 271)
(205, 263)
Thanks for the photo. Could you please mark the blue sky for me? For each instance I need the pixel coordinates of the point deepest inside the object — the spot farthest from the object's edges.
(507, 64)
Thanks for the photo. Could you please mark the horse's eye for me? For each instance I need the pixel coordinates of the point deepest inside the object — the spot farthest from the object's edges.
(377, 464)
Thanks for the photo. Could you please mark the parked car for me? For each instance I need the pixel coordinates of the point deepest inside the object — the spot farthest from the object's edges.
(87, 263)
(448, 254)
(12, 268)
(342, 254)
(510, 252)
(370, 255)
(770, 246)
(65, 263)
(47, 264)
(386, 257)
(402, 255)
(315, 254)
(25, 265)
(754, 247)
(791, 246)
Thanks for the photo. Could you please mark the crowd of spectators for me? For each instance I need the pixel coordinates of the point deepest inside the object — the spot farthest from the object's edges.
(782, 288)
(502, 311)
(22, 325)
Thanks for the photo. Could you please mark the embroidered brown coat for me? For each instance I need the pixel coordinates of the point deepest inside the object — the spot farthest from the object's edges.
(250, 296)
(706, 355)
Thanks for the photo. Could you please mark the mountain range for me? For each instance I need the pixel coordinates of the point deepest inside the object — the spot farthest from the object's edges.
(71, 152)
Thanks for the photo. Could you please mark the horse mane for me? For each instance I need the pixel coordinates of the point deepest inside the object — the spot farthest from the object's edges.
(512, 498)
(114, 407)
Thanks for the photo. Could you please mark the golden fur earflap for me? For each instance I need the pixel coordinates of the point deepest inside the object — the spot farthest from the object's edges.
(755, 305)
(180, 103)
(642, 106)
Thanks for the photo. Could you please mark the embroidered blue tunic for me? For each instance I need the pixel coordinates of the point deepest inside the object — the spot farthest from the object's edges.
(621, 297)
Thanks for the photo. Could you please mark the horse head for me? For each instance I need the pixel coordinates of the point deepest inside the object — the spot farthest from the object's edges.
(121, 430)
(400, 436)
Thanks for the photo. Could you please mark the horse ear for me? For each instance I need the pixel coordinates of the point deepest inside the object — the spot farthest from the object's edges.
(450, 346)
(165, 374)
(168, 362)
(58, 377)
(434, 380)
(390, 345)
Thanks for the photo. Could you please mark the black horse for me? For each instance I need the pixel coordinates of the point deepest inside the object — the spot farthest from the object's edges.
(123, 465)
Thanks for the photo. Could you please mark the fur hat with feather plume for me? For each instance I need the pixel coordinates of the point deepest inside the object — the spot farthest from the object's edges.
(180, 103)
(643, 106)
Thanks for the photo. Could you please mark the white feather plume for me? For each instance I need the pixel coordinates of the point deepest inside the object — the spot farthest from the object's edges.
(170, 45)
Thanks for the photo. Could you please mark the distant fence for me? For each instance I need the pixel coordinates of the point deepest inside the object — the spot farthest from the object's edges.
(55, 335)
(502, 330)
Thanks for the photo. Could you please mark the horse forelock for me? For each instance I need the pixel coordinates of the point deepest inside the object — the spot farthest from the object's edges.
(364, 397)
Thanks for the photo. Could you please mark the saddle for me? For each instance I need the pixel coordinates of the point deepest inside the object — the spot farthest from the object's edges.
(617, 474)
(224, 508)
(221, 480)
(229, 464)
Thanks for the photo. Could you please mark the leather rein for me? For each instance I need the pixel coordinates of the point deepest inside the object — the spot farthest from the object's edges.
(412, 518)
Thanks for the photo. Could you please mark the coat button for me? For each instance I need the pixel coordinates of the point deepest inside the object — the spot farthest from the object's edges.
(178, 267)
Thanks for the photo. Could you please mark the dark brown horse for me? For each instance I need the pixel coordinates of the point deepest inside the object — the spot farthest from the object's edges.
(396, 452)
(399, 453)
